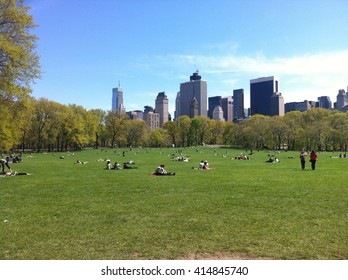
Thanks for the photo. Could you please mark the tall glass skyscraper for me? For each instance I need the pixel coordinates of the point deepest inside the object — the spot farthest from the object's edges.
(261, 91)
(238, 104)
(117, 99)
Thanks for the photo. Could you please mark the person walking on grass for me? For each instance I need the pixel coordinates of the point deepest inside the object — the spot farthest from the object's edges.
(303, 155)
(313, 158)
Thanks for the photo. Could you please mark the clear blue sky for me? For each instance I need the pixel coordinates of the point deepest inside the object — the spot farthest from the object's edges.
(88, 46)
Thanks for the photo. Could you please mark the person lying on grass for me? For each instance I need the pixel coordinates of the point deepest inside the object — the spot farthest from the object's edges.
(160, 171)
(15, 173)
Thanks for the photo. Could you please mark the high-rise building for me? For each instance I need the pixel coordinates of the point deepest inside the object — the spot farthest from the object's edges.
(161, 107)
(238, 104)
(218, 114)
(226, 104)
(324, 102)
(191, 93)
(212, 103)
(117, 99)
(261, 90)
(277, 104)
(152, 120)
(341, 99)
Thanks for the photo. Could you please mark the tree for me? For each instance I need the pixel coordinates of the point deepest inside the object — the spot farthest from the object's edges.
(172, 130)
(100, 117)
(19, 66)
(184, 125)
(278, 130)
(135, 132)
(115, 124)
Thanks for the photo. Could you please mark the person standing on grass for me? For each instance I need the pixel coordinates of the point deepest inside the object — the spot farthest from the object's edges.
(303, 155)
(4, 162)
(313, 159)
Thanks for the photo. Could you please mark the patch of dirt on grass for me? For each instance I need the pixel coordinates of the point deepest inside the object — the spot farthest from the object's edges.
(221, 256)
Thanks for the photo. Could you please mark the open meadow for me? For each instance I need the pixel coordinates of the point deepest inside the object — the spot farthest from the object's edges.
(239, 209)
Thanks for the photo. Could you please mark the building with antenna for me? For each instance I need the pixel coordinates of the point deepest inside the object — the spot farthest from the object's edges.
(191, 100)
(117, 99)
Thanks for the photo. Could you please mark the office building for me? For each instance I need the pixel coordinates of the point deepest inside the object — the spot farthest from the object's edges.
(152, 120)
(192, 93)
(277, 104)
(161, 107)
(226, 104)
(290, 106)
(212, 103)
(117, 99)
(341, 100)
(218, 114)
(304, 106)
(261, 91)
(238, 104)
(324, 102)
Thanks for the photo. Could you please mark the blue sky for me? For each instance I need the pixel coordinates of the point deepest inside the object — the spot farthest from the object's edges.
(87, 47)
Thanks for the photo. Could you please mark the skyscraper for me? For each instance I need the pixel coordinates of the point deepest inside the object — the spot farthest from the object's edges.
(117, 99)
(212, 103)
(192, 93)
(277, 104)
(226, 104)
(238, 104)
(161, 107)
(261, 90)
(341, 99)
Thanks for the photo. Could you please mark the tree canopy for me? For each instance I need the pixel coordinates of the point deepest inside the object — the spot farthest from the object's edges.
(19, 67)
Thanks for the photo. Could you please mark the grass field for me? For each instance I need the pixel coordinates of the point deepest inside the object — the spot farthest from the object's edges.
(249, 208)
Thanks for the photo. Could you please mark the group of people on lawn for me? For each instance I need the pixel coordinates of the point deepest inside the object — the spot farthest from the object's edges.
(312, 158)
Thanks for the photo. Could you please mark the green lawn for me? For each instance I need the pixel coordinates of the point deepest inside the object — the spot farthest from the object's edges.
(256, 209)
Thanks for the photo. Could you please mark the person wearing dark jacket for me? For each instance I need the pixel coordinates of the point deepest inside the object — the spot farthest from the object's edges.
(313, 159)
(303, 155)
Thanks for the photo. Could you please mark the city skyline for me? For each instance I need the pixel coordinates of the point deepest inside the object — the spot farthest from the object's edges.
(153, 45)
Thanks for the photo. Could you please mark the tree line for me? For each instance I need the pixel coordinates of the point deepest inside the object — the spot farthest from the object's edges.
(48, 125)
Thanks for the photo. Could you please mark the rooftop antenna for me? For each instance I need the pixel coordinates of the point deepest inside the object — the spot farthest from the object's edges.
(119, 84)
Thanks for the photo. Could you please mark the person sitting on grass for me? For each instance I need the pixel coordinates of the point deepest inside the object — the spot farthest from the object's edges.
(160, 171)
(117, 166)
(108, 165)
(206, 165)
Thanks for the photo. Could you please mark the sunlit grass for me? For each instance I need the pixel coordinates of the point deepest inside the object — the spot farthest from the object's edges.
(70, 211)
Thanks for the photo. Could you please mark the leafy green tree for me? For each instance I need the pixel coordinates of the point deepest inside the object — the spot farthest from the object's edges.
(315, 124)
(172, 131)
(339, 130)
(135, 132)
(41, 118)
(115, 125)
(294, 130)
(157, 138)
(100, 131)
(229, 133)
(184, 125)
(278, 130)
(19, 66)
